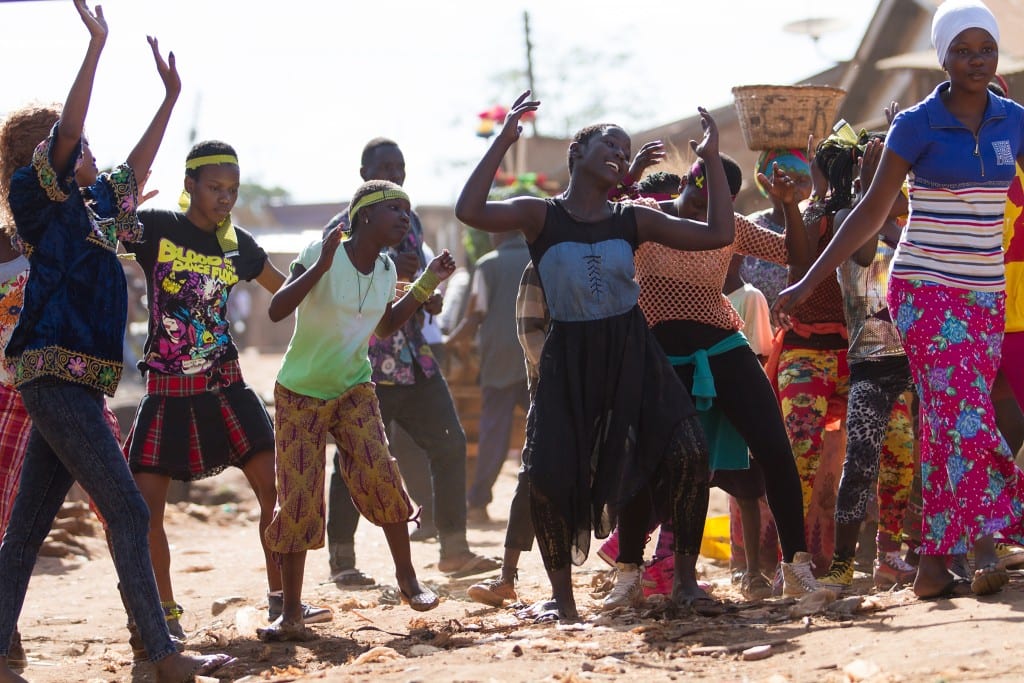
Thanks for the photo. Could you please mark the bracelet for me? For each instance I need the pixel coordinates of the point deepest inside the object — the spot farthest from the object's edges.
(424, 286)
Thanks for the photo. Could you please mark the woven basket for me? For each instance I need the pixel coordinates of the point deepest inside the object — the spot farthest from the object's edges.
(782, 116)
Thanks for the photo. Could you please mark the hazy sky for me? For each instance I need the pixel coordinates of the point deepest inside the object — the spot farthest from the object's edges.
(298, 87)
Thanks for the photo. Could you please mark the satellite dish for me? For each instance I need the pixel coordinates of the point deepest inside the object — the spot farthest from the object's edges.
(815, 27)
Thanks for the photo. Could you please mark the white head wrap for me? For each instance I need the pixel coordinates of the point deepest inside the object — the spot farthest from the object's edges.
(955, 16)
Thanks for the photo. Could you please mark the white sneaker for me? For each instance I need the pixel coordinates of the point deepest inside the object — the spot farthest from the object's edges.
(628, 591)
(798, 576)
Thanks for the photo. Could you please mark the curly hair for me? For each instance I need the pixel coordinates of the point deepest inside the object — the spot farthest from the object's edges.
(20, 133)
(838, 160)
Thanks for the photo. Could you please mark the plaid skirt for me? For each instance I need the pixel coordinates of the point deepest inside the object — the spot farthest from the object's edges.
(15, 426)
(190, 427)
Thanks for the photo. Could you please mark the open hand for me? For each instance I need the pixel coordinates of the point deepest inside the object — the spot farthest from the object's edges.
(143, 195)
(168, 70)
(329, 248)
(443, 265)
(868, 163)
(891, 111)
(511, 129)
(94, 21)
(780, 186)
(788, 299)
(650, 154)
(708, 146)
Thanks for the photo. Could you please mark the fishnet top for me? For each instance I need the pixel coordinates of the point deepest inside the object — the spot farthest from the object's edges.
(687, 285)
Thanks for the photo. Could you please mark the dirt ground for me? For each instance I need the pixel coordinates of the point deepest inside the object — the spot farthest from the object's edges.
(73, 623)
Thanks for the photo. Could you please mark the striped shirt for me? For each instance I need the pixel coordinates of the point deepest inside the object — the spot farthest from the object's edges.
(958, 193)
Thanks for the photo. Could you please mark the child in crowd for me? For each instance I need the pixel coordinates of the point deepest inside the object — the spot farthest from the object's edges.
(947, 292)
(324, 388)
(612, 429)
(198, 415)
(879, 424)
(67, 345)
(532, 323)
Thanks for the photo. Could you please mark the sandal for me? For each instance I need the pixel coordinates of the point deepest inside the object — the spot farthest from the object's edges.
(703, 605)
(547, 612)
(204, 665)
(989, 579)
(16, 658)
(474, 564)
(424, 601)
(280, 632)
(353, 578)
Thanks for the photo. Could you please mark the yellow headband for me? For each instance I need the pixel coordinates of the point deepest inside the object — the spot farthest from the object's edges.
(193, 164)
(374, 198)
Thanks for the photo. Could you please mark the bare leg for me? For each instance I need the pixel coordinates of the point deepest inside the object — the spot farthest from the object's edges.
(154, 490)
(259, 470)
(419, 598)
(750, 519)
(561, 593)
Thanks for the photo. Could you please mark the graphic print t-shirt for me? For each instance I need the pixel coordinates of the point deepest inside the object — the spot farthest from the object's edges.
(188, 280)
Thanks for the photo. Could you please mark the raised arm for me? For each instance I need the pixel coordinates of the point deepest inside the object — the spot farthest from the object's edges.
(397, 314)
(678, 233)
(72, 117)
(860, 226)
(300, 281)
(521, 213)
(141, 158)
(782, 188)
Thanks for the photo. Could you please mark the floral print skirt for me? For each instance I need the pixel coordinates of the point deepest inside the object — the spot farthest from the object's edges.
(970, 486)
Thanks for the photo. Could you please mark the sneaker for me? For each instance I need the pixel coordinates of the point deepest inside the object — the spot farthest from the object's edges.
(609, 550)
(493, 592)
(627, 591)
(755, 586)
(798, 575)
(840, 574)
(310, 614)
(892, 570)
(659, 576)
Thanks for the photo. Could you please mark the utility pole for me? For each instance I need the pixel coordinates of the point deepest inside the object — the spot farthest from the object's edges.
(529, 65)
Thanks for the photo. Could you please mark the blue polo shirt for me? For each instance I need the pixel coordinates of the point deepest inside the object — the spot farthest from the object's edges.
(958, 191)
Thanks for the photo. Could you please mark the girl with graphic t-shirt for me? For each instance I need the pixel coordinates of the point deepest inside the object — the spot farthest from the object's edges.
(947, 292)
(198, 415)
(324, 388)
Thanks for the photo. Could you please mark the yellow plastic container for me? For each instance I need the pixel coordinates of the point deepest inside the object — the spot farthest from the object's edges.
(715, 543)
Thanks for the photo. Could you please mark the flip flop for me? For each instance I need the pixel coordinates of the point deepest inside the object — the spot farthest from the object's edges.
(206, 665)
(424, 601)
(475, 564)
(703, 605)
(989, 579)
(547, 612)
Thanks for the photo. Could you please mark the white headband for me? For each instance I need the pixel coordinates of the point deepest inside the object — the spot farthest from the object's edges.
(955, 16)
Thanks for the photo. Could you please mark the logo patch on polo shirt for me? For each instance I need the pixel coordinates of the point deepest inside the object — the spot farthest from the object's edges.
(1004, 153)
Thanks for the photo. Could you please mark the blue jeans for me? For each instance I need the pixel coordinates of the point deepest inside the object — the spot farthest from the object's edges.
(496, 414)
(71, 441)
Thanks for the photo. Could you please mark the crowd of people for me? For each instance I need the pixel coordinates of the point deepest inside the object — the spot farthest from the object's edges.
(628, 315)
